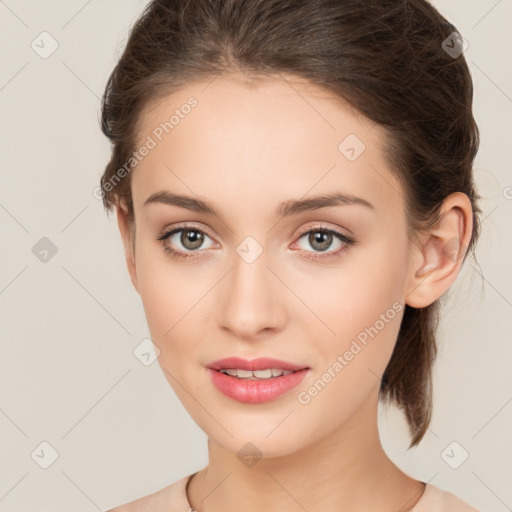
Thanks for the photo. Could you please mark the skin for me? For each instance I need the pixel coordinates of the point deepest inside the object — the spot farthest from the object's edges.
(246, 147)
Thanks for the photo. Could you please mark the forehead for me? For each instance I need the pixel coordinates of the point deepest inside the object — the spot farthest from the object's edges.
(260, 142)
(260, 105)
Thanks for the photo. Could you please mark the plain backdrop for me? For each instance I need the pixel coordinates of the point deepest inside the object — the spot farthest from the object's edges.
(70, 319)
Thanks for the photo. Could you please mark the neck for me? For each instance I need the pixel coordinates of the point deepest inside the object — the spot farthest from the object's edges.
(346, 468)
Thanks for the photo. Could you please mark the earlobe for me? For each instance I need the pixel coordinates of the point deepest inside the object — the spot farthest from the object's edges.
(441, 255)
(127, 230)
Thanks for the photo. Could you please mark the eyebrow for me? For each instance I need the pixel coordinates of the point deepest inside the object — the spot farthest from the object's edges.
(286, 208)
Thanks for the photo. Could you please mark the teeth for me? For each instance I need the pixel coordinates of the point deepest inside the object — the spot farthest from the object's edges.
(262, 374)
(243, 374)
(257, 374)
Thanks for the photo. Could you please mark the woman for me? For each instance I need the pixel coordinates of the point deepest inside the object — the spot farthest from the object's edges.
(293, 186)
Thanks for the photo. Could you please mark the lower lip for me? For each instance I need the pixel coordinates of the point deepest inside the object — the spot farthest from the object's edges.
(256, 391)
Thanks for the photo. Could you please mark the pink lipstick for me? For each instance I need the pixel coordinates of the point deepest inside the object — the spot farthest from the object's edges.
(256, 381)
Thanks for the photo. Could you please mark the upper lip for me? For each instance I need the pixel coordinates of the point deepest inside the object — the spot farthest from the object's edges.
(261, 363)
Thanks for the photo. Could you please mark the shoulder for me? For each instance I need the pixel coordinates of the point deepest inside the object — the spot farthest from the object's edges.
(438, 500)
(171, 498)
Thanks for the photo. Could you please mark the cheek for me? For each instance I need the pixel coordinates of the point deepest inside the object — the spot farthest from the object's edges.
(362, 306)
(160, 301)
(163, 293)
(347, 301)
(174, 296)
(351, 364)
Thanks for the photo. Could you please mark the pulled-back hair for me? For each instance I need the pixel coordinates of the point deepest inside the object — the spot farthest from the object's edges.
(386, 58)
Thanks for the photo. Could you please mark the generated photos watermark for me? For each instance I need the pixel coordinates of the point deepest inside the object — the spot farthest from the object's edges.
(342, 360)
(151, 142)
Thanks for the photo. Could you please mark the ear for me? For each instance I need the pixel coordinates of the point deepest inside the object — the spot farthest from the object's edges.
(126, 225)
(439, 257)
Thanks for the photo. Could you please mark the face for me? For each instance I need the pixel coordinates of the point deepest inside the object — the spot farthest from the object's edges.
(320, 288)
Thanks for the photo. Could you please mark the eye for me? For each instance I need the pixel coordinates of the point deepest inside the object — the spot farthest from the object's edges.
(322, 238)
(190, 238)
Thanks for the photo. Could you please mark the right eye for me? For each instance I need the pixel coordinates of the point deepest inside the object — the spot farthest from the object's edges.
(190, 238)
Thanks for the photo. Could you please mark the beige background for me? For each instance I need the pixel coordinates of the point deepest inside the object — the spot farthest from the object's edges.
(69, 325)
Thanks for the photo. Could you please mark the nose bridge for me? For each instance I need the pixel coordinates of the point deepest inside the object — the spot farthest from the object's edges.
(251, 299)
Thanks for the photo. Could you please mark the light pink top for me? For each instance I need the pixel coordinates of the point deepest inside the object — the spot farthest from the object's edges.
(433, 500)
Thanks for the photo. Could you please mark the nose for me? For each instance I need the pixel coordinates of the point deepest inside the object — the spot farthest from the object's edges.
(251, 300)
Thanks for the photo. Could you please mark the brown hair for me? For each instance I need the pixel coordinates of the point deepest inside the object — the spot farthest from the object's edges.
(385, 57)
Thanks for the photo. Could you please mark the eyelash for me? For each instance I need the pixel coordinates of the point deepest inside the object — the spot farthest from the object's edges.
(179, 255)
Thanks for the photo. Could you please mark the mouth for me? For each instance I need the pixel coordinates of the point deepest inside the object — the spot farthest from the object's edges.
(255, 381)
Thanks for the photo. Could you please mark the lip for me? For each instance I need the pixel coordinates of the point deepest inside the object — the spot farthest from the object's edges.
(261, 363)
(256, 391)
